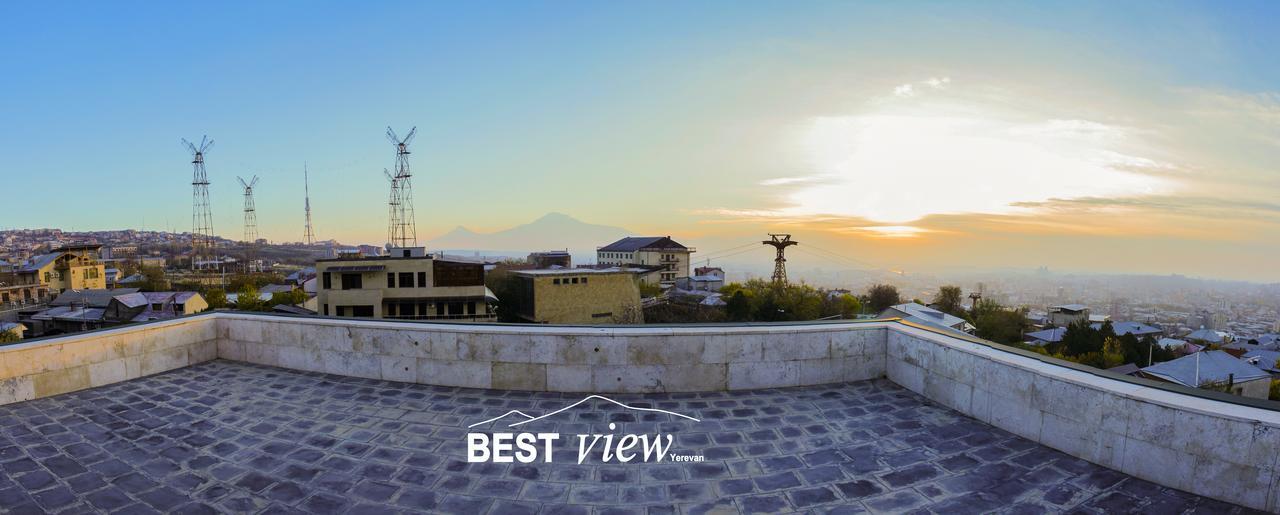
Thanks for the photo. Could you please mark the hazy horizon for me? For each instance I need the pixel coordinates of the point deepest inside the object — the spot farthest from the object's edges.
(1134, 138)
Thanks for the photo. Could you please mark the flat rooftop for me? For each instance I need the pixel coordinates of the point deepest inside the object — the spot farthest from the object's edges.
(230, 437)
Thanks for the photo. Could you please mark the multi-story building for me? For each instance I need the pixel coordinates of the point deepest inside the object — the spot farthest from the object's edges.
(1068, 314)
(580, 296)
(73, 267)
(670, 257)
(406, 284)
(551, 258)
(21, 286)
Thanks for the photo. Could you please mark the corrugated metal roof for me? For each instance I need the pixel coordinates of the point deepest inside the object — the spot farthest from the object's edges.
(1208, 335)
(40, 261)
(1053, 335)
(1263, 359)
(634, 243)
(1134, 328)
(928, 315)
(1204, 368)
(132, 300)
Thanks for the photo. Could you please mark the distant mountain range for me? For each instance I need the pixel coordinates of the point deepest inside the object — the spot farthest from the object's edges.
(553, 231)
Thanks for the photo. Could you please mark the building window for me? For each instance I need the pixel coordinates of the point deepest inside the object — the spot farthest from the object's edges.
(584, 280)
(391, 280)
(422, 279)
(362, 311)
(471, 308)
(555, 281)
(406, 279)
(602, 315)
(352, 282)
(328, 285)
(326, 306)
(575, 280)
(391, 310)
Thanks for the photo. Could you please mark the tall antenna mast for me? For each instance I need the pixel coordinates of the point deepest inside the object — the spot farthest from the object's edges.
(250, 222)
(780, 242)
(403, 229)
(308, 235)
(201, 215)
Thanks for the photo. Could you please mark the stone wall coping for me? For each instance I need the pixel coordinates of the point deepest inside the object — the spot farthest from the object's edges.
(64, 339)
(1146, 390)
(573, 330)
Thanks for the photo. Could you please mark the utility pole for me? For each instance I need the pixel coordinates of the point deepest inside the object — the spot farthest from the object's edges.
(780, 242)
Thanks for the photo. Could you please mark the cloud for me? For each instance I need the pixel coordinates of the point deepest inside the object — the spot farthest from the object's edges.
(910, 89)
(896, 168)
(782, 181)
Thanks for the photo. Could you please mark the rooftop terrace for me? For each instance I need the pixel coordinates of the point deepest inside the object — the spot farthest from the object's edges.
(258, 413)
(232, 437)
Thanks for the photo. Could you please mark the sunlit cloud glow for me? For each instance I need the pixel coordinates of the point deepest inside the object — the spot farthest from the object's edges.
(896, 168)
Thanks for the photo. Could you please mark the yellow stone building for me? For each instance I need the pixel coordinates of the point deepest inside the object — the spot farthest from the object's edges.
(668, 259)
(580, 296)
(74, 267)
(407, 285)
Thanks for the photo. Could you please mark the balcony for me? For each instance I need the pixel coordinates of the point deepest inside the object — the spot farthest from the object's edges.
(244, 412)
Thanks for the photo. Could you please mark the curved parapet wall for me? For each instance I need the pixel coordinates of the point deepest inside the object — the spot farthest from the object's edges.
(1207, 443)
(1201, 442)
(563, 358)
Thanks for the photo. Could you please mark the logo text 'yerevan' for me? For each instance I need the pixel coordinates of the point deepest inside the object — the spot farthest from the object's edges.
(524, 447)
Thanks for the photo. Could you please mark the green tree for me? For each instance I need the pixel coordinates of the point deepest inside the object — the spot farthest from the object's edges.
(738, 306)
(1080, 339)
(1275, 389)
(216, 297)
(881, 296)
(848, 306)
(8, 337)
(999, 324)
(247, 299)
(949, 300)
(289, 298)
(153, 279)
(257, 280)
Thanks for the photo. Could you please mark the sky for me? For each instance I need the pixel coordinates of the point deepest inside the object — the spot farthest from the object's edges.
(1133, 137)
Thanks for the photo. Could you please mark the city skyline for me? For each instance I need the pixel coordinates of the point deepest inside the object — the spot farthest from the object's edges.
(1092, 137)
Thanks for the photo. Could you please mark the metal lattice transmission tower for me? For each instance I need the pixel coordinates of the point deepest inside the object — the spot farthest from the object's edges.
(780, 242)
(403, 230)
(201, 214)
(308, 235)
(250, 222)
(395, 214)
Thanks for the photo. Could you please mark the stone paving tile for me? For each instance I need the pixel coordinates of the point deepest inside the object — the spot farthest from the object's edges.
(231, 437)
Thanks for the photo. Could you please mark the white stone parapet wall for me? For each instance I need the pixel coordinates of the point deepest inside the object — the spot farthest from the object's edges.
(563, 359)
(1209, 447)
(1216, 449)
(41, 368)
